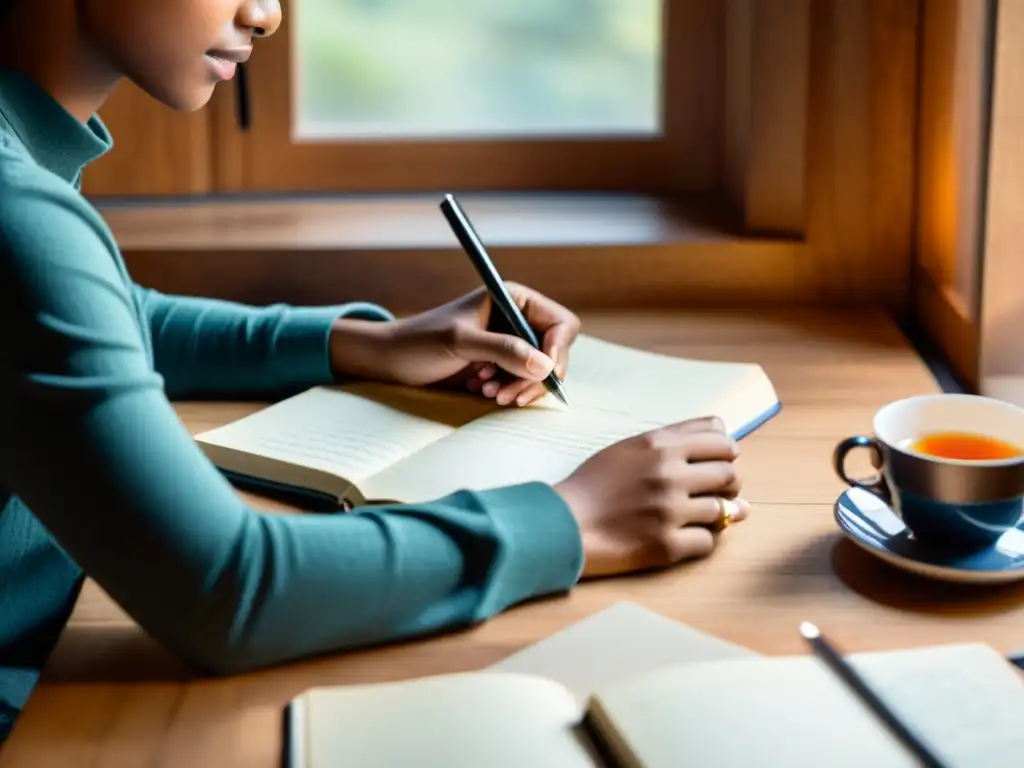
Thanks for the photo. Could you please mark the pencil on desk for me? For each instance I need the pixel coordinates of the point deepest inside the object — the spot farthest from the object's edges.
(824, 650)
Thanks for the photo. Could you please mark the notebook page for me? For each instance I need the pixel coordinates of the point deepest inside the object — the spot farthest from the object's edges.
(607, 377)
(455, 721)
(507, 447)
(547, 442)
(352, 432)
(964, 700)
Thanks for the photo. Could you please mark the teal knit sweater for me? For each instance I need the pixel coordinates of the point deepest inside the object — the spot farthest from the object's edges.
(99, 477)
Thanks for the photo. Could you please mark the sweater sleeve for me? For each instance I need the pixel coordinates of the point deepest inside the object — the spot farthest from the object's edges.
(94, 448)
(214, 347)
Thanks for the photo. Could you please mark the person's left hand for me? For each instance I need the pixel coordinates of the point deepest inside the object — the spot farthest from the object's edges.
(467, 343)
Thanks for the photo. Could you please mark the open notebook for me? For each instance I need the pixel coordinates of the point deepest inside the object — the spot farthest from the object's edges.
(964, 700)
(368, 442)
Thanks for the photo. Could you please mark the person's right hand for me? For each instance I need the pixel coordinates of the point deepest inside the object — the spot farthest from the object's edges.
(650, 501)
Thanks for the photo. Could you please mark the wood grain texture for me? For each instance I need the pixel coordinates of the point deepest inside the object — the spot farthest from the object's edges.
(112, 697)
(156, 151)
(952, 143)
(860, 186)
(951, 175)
(1001, 316)
(588, 251)
(669, 275)
(847, 175)
(943, 317)
(413, 222)
(768, 60)
(694, 95)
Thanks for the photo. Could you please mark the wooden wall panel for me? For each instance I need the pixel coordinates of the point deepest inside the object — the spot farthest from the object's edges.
(1001, 317)
(862, 116)
(694, 93)
(768, 62)
(956, 51)
(156, 150)
(955, 84)
(938, 313)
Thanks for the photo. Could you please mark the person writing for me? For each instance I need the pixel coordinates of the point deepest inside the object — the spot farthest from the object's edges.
(99, 478)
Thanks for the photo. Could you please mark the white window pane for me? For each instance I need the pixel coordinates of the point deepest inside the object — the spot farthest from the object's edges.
(438, 68)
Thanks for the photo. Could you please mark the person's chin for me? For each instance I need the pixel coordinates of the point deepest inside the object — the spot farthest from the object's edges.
(198, 98)
(187, 99)
(184, 95)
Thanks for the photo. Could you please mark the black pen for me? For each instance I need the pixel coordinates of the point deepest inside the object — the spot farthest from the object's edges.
(834, 660)
(474, 248)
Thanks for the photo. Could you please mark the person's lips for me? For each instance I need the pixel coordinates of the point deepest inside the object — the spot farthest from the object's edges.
(224, 61)
(237, 55)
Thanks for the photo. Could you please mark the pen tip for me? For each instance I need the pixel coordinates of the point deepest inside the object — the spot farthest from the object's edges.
(809, 631)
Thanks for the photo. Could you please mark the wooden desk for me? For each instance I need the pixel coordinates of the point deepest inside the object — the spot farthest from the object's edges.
(112, 698)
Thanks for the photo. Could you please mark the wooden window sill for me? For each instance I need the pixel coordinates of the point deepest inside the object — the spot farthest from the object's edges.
(588, 250)
(397, 222)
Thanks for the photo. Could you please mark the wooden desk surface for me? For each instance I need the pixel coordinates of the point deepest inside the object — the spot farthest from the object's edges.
(111, 697)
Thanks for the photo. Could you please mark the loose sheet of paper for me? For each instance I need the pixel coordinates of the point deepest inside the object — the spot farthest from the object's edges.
(621, 642)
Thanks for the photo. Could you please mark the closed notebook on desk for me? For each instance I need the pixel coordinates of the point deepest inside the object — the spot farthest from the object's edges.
(372, 442)
(965, 700)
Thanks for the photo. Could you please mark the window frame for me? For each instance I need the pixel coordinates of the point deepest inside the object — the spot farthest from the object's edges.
(687, 157)
(810, 178)
(958, 276)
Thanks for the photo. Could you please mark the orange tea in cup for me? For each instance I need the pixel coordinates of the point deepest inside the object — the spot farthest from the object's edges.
(965, 446)
(952, 467)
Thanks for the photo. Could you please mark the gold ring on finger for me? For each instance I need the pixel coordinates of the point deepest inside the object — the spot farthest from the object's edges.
(725, 514)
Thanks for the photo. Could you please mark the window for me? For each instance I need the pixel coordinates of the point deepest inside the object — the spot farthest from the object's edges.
(412, 69)
(765, 151)
(418, 95)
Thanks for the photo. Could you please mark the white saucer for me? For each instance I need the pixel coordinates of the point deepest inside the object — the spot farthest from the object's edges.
(872, 525)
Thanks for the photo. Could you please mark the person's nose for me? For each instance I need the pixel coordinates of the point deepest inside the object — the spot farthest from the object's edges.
(261, 17)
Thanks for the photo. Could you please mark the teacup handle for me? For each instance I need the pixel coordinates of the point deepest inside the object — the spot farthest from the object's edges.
(876, 485)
